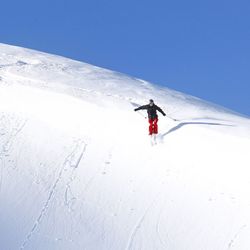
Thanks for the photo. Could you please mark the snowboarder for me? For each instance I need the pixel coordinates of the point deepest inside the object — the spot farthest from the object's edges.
(152, 115)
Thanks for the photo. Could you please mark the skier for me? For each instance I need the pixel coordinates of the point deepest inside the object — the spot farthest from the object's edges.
(152, 115)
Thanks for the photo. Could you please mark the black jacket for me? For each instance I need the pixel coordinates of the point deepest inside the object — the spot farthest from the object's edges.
(152, 110)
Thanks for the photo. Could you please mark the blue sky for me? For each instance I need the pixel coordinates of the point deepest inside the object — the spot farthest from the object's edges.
(201, 48)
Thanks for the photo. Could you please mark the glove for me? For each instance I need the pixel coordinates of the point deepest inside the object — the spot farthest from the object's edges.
(164, 114)
(135, 109)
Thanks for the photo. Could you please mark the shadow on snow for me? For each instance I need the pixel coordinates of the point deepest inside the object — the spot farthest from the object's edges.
(180, 125)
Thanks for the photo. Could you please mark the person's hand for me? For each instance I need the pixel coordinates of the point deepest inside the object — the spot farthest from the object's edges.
(135, 109)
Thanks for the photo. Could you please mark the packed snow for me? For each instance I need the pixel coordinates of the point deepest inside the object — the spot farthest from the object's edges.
(78, 169)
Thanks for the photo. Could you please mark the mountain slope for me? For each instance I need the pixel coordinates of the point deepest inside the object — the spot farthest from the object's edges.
(77, 169)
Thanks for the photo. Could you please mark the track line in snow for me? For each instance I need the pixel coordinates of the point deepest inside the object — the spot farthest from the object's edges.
(69, 197)
(72, 160)
(163, 243)
(230, 245)
(12, 135)
(135, 230)
(139, 223)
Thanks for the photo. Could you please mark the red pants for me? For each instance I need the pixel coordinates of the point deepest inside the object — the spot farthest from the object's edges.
(153, 127)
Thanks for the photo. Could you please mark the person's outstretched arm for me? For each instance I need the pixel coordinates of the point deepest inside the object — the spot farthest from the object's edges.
(141, 107)
(160, 110)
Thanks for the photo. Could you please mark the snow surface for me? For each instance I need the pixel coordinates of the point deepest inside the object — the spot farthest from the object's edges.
(78, 171)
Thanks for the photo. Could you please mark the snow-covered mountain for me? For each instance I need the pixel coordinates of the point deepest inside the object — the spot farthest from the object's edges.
(78, 171)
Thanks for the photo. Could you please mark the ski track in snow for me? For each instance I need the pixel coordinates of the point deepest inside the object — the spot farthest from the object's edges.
(19, 124)
(72, 161)
(18, 127)
(136, 229)
(163, 243)
(230, 245)
(68, 192)
(139, 223)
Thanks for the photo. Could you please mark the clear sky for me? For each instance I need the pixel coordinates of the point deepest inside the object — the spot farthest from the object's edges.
(197, 47)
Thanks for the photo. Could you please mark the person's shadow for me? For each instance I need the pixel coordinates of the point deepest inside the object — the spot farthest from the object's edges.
(180, 125)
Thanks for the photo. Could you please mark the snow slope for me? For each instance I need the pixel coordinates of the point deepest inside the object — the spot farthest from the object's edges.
(78, 171)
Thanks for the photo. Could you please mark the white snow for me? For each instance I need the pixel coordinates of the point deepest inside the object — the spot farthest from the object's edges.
(77, 169)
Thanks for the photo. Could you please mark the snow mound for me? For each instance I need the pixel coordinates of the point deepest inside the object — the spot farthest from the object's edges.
(78, 171)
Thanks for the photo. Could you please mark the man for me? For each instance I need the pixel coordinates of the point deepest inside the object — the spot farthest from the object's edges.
(152, 116)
